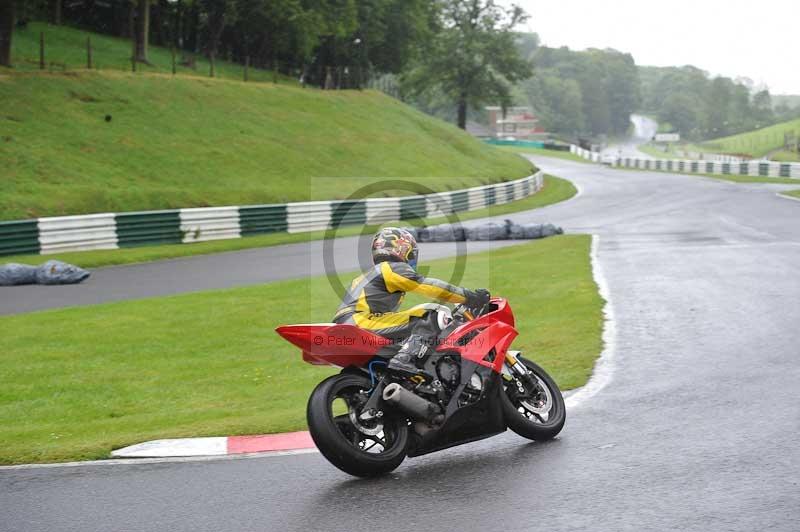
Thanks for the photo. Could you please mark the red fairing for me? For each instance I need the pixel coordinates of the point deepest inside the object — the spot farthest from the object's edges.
(348, 345)
(334, 344)
(502, 313)
(496, 332)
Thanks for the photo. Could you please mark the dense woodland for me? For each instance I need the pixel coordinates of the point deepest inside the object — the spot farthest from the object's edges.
(593, 92)
(581, 93)
(447, 57)
(702, 107)
(293, 36)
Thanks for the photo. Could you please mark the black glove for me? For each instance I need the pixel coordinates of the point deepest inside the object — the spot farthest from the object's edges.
(478, 298)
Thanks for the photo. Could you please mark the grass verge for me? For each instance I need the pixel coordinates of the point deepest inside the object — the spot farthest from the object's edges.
(78, 382)
(792, 193)
(655, 152)
(785, 156)
(555, 190)
(752, 179)
(545, 153)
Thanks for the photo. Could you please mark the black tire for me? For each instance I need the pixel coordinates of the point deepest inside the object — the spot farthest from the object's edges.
(522, 424)
(329, 431)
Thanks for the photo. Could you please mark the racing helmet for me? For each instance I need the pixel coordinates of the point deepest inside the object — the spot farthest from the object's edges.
(394, 244)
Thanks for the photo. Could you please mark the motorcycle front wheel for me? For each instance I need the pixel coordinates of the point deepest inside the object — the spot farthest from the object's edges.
(535, 409)
(357, 447)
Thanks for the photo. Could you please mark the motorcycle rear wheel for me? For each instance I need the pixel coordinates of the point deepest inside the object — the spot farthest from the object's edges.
(359, 448)
(540, 419)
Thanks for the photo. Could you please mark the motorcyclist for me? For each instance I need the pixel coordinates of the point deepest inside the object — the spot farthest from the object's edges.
(373, 298)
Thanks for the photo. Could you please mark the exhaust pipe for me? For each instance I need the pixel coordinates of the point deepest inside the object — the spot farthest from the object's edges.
(412, 404)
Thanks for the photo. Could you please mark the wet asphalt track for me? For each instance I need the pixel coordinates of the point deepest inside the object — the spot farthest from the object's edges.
(697, 429)
(222, 270)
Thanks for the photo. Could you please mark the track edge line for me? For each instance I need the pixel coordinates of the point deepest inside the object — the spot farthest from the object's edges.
(603, 370)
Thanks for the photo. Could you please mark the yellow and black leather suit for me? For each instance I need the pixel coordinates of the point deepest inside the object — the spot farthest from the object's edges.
(374, 297)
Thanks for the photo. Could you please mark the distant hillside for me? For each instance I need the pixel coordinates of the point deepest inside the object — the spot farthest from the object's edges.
(701, 106)
(758, 143)
(790, 100)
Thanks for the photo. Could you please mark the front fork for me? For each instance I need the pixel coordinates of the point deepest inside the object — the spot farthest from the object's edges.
(518, 375)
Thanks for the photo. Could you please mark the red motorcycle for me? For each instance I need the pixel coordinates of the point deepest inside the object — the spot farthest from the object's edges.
(367, 419)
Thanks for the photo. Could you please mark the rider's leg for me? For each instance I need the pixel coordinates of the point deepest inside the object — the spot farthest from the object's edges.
(417, 347)
(416, 326)
(421, 341)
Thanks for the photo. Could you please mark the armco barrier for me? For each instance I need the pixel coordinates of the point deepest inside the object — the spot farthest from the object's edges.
(213, 223)
(111, 231)
(744, 168)
(72, 233)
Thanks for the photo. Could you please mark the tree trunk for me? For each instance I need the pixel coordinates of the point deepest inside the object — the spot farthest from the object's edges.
(195, 28)
(157, 13)
(131, 29)
(178, 31)
(7, 16)
(462, 111)
(57, 12)
(142, 30)
(216, 26)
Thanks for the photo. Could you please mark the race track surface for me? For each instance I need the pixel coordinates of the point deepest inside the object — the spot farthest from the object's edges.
(207, 272)
(696, 430)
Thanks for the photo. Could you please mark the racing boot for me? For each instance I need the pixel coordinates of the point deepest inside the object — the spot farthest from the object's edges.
(411, 355)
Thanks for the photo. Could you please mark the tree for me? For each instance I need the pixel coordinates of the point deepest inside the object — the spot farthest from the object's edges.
(141, 35)
(557, 102)
(583, 93)
(679, 109)
(389, 31)
(527, 44)
(762, 108)
(621, 87)
(218, 14)
(472, 58)
(718, 99)
(7, 20)
(57, 12)
(591, 76)
(704, 108)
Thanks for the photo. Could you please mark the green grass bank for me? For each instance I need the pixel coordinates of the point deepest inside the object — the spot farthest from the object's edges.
(79, 382)
(76, 143)
(758, 143)
(765, 142)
